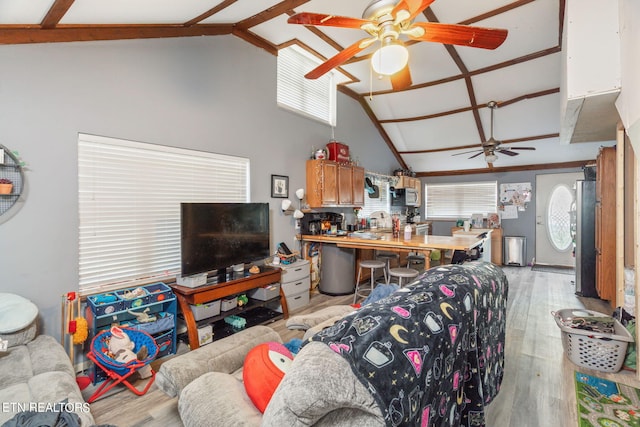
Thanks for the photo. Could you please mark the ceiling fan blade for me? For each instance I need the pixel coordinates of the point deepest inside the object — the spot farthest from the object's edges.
(467, 152)
(412, 7)
(337, 60)
(320, 19)
(401, 79)
(462, 35)
(522, 148)
(476, 155)
(507, 152)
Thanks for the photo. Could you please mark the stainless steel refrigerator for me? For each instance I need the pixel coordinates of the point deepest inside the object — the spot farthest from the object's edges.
(585, 238)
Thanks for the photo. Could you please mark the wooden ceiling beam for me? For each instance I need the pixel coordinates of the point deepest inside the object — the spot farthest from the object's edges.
(472, 146)
(543, 166)
(74, 33)
(223, 5)
(477, 107)
(57, 10)
(268, 14)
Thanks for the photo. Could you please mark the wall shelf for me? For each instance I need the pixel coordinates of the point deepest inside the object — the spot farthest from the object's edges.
(10, 168)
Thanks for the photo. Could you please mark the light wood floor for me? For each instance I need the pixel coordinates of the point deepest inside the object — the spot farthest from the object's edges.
(537, 390)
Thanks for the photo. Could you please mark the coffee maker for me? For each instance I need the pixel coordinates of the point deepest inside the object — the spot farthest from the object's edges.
(320, 222)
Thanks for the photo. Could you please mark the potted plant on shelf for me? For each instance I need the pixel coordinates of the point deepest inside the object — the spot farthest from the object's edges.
(5, 186)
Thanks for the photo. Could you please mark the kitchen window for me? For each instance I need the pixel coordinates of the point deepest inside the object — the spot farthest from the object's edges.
(129, 196)
(454, 201)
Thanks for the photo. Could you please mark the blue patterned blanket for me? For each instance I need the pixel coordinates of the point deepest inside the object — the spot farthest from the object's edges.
(432, 353)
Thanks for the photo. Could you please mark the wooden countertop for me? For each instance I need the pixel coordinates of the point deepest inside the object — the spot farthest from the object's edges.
(386, 240)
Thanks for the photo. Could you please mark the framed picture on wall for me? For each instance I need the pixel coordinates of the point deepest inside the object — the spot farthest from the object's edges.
(279, 186)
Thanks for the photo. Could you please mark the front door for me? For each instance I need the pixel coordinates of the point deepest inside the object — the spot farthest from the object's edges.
(555, 194)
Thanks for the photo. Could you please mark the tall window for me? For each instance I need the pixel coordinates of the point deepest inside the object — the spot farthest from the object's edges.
(313, 98)
(460, 200)
(129, 197)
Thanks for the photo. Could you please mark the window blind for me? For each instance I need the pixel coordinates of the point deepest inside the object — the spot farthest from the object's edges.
(129, 196)
(382, 203)
(313, 98)
(460, 200)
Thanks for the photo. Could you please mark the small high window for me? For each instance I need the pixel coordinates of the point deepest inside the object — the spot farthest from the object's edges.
(313, 98)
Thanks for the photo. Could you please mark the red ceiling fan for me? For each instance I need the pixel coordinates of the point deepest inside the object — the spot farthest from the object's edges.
(385, 21)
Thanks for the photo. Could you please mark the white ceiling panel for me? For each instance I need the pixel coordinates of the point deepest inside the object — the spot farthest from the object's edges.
(524, 78)
(135, 11)
(419, 102)
(239, 11)
(452, 130)
(15, 12)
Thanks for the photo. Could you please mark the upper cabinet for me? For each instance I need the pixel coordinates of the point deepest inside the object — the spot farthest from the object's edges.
(410, 182)
(591, 74)
(332, 184)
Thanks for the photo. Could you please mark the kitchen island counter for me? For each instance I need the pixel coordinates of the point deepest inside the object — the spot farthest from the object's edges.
(385, 241)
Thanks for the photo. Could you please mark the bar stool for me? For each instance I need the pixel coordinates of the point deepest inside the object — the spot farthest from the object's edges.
(416, 261)
(400, 272)
(372, 264)
(387, 257)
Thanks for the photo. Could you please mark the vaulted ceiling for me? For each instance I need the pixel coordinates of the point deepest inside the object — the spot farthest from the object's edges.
(434, 126)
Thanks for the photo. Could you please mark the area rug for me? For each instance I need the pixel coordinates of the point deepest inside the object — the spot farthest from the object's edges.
(604, 403)
(551, 269)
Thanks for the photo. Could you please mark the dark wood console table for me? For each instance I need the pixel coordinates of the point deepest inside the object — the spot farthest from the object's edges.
(206, 293)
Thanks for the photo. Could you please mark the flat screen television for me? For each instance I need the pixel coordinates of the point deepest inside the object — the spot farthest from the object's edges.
(215, 236)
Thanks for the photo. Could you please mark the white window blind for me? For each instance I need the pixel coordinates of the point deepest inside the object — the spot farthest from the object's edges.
(382, 203)
(313, 98)
(129, 197)
(460, 200)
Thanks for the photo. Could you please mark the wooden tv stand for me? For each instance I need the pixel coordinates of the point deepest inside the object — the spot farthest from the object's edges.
(211, 292)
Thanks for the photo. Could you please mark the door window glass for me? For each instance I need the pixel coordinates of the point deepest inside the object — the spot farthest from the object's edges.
(559, 217)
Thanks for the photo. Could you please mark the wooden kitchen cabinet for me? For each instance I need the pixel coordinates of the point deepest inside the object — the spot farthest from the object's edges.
(358, 186)
(410, 182)
(606, 224)
(332, 184)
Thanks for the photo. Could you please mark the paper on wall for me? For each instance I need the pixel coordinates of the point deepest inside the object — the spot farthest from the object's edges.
(510, 212)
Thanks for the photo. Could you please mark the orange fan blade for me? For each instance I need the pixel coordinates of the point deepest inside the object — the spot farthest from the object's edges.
(319, 19)
(462, 35)
(339, 59)
(401, 79)
(414, 7)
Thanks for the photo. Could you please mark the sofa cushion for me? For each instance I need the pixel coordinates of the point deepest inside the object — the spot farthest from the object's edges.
(217, 398)
(15, 366)
(317, 388)
(225, 355)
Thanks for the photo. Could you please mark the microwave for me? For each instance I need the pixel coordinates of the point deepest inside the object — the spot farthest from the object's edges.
(404, 197)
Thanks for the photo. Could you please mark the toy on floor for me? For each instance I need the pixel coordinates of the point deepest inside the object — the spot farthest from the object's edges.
(121, 347)
(264, 367)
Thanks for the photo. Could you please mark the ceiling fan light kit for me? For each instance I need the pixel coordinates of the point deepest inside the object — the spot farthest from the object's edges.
(491, 158)
(392, 57)
(386, 20)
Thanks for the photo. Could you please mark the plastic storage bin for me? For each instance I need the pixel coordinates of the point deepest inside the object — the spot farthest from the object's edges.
(594, 350)
(202, 311)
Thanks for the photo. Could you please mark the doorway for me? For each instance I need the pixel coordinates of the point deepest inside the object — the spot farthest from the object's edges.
(555, 194)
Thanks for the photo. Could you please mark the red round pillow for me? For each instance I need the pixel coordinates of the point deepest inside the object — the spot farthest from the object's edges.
(264, 367)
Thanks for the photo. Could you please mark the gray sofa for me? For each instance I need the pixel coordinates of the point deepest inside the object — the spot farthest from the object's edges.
(36, 375)
(432, 352)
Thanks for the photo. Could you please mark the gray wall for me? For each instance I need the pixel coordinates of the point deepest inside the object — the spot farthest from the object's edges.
(524, 225)
(215, 94)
